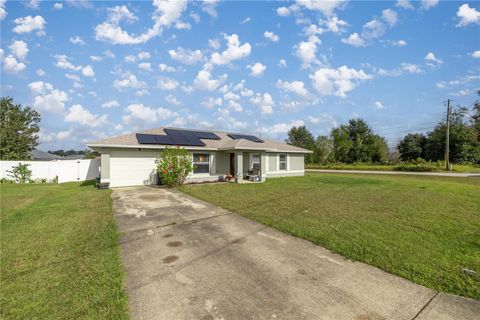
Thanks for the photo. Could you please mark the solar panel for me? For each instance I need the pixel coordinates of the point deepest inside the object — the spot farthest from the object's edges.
(177, 137)
(146, 138)
(206, 135)
(244, 136)
(183, 137)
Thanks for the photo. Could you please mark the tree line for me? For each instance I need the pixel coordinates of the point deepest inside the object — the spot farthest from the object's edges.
(355, 142)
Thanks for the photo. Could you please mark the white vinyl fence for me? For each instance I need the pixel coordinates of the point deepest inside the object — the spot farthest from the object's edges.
(65, 170)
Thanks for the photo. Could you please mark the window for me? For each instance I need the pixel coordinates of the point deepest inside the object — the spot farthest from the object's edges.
(201, 163)
(283, 162)
(255, 161)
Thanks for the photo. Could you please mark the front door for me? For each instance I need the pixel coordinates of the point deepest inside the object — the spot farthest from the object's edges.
(232, 164)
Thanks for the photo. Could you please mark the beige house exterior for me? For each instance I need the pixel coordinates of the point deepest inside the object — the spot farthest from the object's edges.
(126, 162)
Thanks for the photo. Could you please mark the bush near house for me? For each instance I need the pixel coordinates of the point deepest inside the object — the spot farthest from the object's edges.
(173, 166)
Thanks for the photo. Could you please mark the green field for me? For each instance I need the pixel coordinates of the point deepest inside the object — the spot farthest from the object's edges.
(59, 253)
(425, 167)
(425, 229)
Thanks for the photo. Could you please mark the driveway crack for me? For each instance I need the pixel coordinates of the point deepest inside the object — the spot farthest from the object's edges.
(425, 306)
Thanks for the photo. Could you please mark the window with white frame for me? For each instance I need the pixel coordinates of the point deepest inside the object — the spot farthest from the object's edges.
(201, 163)
(255, 161)
(283, 162)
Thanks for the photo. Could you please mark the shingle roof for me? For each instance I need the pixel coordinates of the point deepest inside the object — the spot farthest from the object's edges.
(225, 142)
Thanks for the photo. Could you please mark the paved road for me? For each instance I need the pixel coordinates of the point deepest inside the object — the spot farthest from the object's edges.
(187, 259)
(438, 174)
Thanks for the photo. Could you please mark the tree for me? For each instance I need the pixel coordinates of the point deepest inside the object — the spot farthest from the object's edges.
(341, 143)
(323, 151)
(302, 138)
(412, 146)
(87, 154)
(173, 166)
(476, 116)
(19, 126)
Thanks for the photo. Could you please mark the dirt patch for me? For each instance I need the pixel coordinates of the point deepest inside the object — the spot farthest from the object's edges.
(239, 240)
(168, 235)
(149, 197)
(175, 243)
(170, 259)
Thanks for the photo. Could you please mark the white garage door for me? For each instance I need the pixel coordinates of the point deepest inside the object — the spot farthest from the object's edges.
(132, 167)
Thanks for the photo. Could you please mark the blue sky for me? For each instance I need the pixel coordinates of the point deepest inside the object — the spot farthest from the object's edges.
(103, 68)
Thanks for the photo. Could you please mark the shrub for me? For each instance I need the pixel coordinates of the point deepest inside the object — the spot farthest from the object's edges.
(21, 173)
(173, 166)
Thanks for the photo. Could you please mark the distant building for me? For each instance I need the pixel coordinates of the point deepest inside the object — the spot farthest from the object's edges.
(38, 155)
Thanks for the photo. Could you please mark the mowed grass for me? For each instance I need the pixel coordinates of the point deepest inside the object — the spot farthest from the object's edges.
(59, 253)
(435, 167)
(425, 229)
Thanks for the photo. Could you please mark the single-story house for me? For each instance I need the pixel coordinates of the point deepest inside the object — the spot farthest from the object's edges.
(129, 160)
(38, 155)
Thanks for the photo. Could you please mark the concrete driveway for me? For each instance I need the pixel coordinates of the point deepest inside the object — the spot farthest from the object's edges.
(188, 259)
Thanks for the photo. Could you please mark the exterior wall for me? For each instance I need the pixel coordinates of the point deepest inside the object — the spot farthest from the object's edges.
(297, 161)
(295, 165)
(222, 163)
(272, 162)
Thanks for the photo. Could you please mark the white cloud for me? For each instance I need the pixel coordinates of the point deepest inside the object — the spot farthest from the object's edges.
(166, 68)
(297, 87)
(40, 72)
(3, 12)
(306, 51)
(476, 54)
(411, 68)
(431, 57)
(167, 83)
(58, 6)
(334, 24)
(282, 63)
(379, 105)
(204, 81)
(128, 81)
(19, 49)
(180, 25)
(354, 40)
(172, 100)
(271, 36)
(210, 102)
(186, 56)
(73, 77)
(12, 65)
(96, 58)
(398, 43)
(427, 4)
(234, 105)
(167, 13)
(87, 71)
(326, 7)
(195, 17)
(257, 69)
(32, 4)
(144, 55)
(404, 4)
(28, 24)
(77, 40)
(337, 82)
(64, 63)
(246, 20)
(111, 104)
(281, 128)
(467, 15)
(390, 16)
(209, 6)
(283, 11)
(141, 93)
(147, 66)
(139, 113)
(80, 115)
(49, 137)
(324, 118)
(233, 52)
(264, 102)
(47, 98)
(373, 29)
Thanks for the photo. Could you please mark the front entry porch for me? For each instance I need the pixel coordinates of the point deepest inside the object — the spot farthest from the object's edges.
(248, 165)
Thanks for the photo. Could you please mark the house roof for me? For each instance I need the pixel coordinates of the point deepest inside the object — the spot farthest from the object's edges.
(42, 155)
(224, 143)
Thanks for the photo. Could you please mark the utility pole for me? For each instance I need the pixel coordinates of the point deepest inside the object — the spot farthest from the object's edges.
(447, 138)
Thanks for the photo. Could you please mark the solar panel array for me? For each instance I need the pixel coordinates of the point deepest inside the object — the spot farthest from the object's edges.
(244, 136)
(177, 137)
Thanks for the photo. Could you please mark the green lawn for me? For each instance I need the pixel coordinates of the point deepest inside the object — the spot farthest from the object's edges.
(426, 229)
(59, 253)
(435, 167)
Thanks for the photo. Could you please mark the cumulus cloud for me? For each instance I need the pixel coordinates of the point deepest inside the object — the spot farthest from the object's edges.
(166, 68)
(326, 7)
(58, 6)
(47, 98)
(172, 100)
(186, 56)
(234, 51)
(77, 40)
(404, 4)
(87, 71)
(19, 49)
(467, 15)
(283, 11)
(205, 81)
(128, 80)
(476, 54)
(111, 104)
(40, 72)
(28, 24)
(64, 63)
(271, 36)
(264, 102)
(166, 14)
(283, 127)
(80, 115)
(379, 105)
(390, 16)
(147, 66)
(354, 40)
(297, 87)
(209, 6)
(12, 65)
(210, 102)
(411, 68)
(138, 113)
(306, 51)
(337, 82)
(3, 12)
(282, 63)
(167, 83)
(257, 69)
(431, 57)
(428, 4)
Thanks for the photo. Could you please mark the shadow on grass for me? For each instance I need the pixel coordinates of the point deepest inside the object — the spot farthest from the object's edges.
(88, 183)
